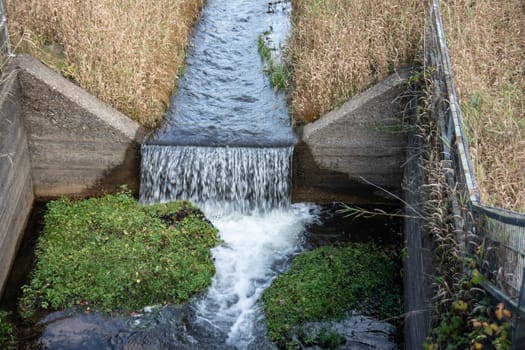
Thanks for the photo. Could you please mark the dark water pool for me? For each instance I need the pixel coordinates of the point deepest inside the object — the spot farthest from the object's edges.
(179, 327)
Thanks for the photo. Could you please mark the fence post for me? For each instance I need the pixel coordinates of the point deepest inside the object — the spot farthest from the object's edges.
(5, 45)
(518, 338)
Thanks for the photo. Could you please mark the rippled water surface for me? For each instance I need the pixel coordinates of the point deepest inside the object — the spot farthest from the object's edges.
(223, 98)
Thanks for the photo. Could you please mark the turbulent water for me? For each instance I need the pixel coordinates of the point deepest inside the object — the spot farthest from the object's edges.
(245, 193)
(257, 247)
(226, 145)
(240, 179)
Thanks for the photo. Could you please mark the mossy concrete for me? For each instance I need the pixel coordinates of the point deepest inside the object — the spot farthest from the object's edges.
(56, 139)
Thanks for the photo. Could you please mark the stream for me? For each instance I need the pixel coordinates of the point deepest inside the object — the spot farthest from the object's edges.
(226, 145)
(223, 97)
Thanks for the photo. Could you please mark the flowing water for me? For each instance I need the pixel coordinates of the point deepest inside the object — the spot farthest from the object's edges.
(245, 194)
(240, 179)
(226, 145)
(223, 98)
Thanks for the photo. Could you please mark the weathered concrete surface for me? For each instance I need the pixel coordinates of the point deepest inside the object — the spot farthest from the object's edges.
(16, 192)
(362, 139)
(79, 146)
(56, 139)
(417, 266)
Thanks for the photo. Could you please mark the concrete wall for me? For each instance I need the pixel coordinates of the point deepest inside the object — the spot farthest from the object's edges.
(417, 265)
(79, 146)
(16, 192)
(56, 139)
(361, 139)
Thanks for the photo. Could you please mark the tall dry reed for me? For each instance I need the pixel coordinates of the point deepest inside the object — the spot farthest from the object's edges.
(486, 40)
(126, 52)
(338, 48)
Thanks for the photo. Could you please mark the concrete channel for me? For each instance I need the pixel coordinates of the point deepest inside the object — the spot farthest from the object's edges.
(56, 139)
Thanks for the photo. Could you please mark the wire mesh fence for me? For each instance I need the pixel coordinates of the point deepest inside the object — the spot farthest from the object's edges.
(494, 236)
(5, 46)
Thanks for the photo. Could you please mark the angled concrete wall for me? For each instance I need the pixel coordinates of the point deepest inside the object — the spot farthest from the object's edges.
(360, 140)
(56, 139)
(16, 189)
(79, 146)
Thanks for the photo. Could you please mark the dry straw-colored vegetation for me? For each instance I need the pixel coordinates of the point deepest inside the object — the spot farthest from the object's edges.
(339, 48)
(486, 40)
(126, 52)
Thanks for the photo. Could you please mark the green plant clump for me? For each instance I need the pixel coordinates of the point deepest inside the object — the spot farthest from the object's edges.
(278, 72)
(7, 332)
(328, 282)
(471, 320)
(115, 255)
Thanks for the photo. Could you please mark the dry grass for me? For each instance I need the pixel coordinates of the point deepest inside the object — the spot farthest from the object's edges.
(340, 47)
(487, 48)
(126, 52)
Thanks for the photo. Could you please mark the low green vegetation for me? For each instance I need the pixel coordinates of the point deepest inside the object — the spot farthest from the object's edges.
(470, 319)
(474, 323)
(278, 72)
(112, 254)
(7, 332)
(327, 283)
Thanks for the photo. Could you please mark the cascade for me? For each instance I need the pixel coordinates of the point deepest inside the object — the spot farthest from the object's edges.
(226, 145)
(245, 192)
(242, 178)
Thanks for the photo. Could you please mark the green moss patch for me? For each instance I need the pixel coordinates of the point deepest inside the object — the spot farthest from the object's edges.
(115, 255)
(7, 331)
(328, 282)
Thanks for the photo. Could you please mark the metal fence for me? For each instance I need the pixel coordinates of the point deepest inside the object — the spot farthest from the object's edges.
(498, 235)
(5, 46)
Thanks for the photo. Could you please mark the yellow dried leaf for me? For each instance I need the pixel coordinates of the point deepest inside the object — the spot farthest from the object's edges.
(476, 324)
(499, 311)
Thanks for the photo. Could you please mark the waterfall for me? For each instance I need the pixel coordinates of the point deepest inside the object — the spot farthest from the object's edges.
(226, 145)
(242, 178)
(245, 192)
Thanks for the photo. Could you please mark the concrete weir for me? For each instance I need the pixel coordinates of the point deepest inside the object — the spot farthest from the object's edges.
(56, 139)
(359, 143)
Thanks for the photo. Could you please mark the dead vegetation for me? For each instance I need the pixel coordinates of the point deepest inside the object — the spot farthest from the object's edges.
(486, 40)
(338, 48)
(127, 52)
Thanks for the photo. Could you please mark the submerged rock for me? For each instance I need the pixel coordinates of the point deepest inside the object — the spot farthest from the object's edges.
(356, 332)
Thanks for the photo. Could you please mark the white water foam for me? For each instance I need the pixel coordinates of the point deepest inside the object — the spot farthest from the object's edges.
(256, 248)
(245, 192)
(241, 178)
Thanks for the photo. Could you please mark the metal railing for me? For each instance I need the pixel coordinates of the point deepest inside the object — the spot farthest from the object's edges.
(5, 45)
(497, 234)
